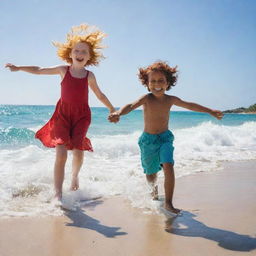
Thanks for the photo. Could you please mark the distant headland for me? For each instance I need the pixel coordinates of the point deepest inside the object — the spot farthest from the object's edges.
(250, 110)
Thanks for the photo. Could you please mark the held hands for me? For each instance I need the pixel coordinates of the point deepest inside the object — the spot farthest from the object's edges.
(217, 114)
(113, 117)
(11, 67)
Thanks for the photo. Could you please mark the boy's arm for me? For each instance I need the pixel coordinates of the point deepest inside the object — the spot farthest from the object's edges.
(36, 70)
(114, 117)
(130, 107)
(99, 94)
(196, 107)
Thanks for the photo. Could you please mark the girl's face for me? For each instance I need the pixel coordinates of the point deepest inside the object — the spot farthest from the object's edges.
(157, 83)
(80, 54)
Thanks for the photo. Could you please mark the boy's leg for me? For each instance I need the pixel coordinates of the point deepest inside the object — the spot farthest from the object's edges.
(151, 179)
(78, 157)
(169, 183)
(59, 169)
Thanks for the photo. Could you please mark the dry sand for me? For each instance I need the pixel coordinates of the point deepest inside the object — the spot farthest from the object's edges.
(219, 218)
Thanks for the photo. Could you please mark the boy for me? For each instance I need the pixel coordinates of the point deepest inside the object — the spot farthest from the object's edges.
(156, 142)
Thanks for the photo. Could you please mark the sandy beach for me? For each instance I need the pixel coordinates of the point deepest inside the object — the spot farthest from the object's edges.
(218, 218)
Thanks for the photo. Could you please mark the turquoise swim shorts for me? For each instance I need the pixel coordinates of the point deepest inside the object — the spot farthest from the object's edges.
(156, 149)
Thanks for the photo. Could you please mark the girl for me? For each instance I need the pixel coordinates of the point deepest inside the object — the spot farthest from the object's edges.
(67, 128)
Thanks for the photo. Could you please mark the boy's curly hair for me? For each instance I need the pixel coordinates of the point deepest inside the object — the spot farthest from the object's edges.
(170, 73)
(84, 34)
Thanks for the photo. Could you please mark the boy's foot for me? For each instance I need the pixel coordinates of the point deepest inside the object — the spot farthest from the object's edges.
(174, 211)
(74, 184)
(154, 193)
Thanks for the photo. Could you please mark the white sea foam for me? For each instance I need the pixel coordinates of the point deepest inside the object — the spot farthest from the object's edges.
(35, 129)
(26, 174)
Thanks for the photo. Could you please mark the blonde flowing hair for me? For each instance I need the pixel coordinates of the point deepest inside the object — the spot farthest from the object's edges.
(82, 34)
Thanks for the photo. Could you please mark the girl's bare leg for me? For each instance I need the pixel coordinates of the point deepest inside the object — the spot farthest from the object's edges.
(78, 157)
(59, 169)
(152, 183)
(169, 183)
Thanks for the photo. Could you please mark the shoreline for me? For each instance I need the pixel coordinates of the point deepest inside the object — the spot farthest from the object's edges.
(218, 219)
(249, 113)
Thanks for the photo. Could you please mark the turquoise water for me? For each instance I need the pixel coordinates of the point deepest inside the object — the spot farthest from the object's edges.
(19, 123)
(26, 166)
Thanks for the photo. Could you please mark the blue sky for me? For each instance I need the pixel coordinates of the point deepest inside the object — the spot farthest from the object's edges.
(211, 41)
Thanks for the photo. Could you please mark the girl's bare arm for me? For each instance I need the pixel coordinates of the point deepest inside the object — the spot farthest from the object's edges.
(37, 70)
(99, 94)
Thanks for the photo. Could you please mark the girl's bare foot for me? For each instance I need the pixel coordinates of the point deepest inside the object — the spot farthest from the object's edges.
(74, 183)
(58, 196)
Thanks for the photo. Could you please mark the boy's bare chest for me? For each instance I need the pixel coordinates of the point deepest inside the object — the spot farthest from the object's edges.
(157, 110)
(158, 106)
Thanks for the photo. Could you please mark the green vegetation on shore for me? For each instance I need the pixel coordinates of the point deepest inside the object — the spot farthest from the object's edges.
(251, 109)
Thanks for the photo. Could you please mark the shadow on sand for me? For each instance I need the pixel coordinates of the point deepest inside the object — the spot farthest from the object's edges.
(186, 225)
(81, 220)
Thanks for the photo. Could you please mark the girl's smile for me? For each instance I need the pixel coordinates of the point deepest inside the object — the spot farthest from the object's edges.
(80, 53)
(80, 59)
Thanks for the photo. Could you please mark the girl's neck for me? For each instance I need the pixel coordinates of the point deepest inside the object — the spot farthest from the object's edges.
(77, 72)
(76, 68)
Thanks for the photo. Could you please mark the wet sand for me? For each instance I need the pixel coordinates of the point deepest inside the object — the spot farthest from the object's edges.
(219, 210)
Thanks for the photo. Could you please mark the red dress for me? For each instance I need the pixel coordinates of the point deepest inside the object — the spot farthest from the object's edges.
(72, 116)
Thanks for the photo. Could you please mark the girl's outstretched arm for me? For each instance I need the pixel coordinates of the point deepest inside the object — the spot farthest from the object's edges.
(99, 94)
(38, 70)
(196, 107)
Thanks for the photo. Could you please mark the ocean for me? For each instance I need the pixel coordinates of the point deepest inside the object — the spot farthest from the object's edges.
(201, 144)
